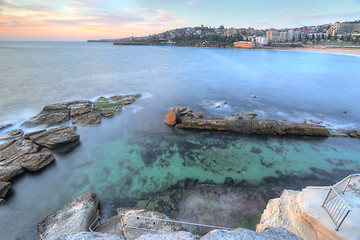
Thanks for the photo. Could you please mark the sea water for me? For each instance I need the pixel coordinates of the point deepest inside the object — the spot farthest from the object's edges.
(135, 153)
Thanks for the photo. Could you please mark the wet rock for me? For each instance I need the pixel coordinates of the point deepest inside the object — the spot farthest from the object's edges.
(55, 137)
(244, 234)
(254, 96)
(13, 149)
(181, 235)
(107, 107)
(314, 121)
(35, 161)
(130, 218)
(252, 115)
(172, 116)
(183, 110)
(353, 134)
(305, 129)
(74, 217)
(3, 126)
(2, 201)
(126, 99)
(51, 115)
(339, 134)
(9, 172)
(12, 134)
(4, 188)
(90, 236)
(84, 115)
(199, 114)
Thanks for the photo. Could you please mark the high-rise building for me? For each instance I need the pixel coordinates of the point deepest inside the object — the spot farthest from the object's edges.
(342, 28)
(272, 35)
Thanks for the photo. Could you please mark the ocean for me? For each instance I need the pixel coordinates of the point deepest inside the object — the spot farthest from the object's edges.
(134, 153)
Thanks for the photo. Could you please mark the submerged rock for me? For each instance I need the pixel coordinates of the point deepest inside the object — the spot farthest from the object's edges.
(107, 107)
(126, 99)
(55, 137)
(172, 116)
(3, 126)
(9, 172)
(16, 133)
(74, 217)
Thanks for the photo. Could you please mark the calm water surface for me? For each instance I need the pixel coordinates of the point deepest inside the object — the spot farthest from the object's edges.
(134, 153)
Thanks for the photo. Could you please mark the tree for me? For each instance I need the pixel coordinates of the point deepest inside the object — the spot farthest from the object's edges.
(318, 38)
(329, 37)
(335, 37)
(221, 27)
(293, 40)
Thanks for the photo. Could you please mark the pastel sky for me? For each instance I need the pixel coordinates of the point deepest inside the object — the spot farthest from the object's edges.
(95, 19)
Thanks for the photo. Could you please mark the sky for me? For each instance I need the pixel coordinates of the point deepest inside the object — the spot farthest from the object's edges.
(79, 20)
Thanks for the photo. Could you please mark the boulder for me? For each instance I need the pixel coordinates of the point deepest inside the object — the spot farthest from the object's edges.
(9, 172)
(90, 236)
(135, 226)
(126, 99)
(16, 133)
(4, 188)
(74, 217)
(3, 126)
(244, 234)
(13, 149)
(35, 161)
(172, 116)
(107, 107)
(55, 137)
(2, 201)
(181, 235)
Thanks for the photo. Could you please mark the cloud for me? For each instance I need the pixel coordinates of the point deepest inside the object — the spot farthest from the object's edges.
(29, 7)
(192, 3)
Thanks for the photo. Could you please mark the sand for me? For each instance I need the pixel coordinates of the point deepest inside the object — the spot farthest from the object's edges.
(342, 50)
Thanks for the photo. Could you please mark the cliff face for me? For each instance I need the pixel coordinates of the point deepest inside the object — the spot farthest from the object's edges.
(300, 212)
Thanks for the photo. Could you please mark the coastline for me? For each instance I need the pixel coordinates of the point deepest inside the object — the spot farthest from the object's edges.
(340, 50)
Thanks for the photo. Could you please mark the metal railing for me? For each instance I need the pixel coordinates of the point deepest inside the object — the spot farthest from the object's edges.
(335, 205)
(95, 224)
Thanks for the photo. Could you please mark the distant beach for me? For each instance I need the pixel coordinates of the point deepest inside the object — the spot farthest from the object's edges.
(342, 50)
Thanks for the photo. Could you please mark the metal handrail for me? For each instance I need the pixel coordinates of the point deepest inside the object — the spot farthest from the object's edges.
(337, 208)
(95, 224)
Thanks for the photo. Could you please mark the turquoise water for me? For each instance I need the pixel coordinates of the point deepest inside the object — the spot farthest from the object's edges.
(135, 153)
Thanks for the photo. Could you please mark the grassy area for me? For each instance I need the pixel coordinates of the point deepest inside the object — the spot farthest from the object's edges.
(103, 103)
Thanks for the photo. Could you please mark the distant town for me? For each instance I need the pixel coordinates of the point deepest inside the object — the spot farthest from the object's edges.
(345, 33)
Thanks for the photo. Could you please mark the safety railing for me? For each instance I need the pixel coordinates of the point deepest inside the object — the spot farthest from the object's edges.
(95, 224)
(335, 205)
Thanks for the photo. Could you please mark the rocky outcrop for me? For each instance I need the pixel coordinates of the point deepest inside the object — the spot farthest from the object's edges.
(172, 117)
(90, 236)
(80, 112)
(107, 107)
(34, 162)
(9, 172)
(4, 188)
(13, 149)
(55, 137)
(244, 234)
(301, 212)
(133, 226)
(126, 99)
(246, 126)
(74, 217)
(16, 133)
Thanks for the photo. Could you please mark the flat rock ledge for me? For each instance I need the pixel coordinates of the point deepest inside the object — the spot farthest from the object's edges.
(27, 153)
(80, 112)
(72, 222)
(181, 119)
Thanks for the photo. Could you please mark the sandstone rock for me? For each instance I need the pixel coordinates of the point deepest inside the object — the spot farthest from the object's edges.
(9, 172)
(244, 234)
(74, 217)
(126, 99)
(3, 126)
(90, 236)
(16, 133)
(353, 135)
(252, 115)
(13, 149)
(138, 222)
(314, 121)
(52, 116)
(85, 116)
(181, 235)
(172, 116)
(4, 188)
(107, 107)
(183, 110)
(111, 226)
(55, 137)
(199, 114)
(2, 201)
(305, 129)
(339, 134)
(35, 161)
